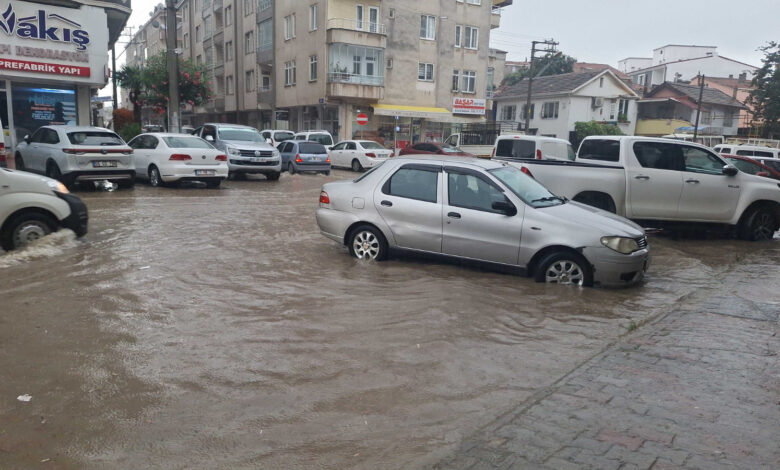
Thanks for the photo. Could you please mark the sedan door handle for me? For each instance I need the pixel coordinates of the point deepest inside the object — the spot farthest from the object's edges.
(387, 203)
(641, 177)
(453, 215)
(692, 181)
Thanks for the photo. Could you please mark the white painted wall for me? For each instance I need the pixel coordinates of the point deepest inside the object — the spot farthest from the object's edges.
(667, 54)
(634, 63)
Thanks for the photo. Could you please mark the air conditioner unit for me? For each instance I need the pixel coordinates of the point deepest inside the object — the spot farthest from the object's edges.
(597, 102)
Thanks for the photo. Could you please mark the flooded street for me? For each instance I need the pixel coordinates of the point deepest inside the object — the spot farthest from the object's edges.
(201, 328)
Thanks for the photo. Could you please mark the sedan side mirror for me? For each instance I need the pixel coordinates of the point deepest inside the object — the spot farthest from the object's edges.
(505, 207)
(209, 138)
(27, 138)
(730, 170)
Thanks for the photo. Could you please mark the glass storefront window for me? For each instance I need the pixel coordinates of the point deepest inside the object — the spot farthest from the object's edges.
(34, 106)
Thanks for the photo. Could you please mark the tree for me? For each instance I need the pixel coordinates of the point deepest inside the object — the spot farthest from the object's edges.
(765, 98)
(584, 129)
(122, 117)
(193, 86)
(132, 79)
(556, 65)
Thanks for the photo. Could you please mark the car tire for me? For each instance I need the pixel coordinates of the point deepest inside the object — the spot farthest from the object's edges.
(273, 176)
(155, 180)
(327, 173)
(356, 166)
(291, 168)
(215, 183)
(367, 242)
(759, 224)
(53, 171)
(564, 267)
(19, 161)
(25, 228)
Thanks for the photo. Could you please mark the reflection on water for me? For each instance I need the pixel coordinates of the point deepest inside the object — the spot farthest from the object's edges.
(199, 328)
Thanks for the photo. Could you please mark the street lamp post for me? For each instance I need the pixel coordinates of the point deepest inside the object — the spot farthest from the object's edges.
(173, 66)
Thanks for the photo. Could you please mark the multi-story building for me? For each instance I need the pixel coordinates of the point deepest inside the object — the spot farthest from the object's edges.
(147, 42)
(416, 68)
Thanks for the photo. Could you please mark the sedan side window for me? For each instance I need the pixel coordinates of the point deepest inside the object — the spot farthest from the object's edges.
(50, 137)
(701, 161)
(151, 142)
(412, 183)
(339, 146)
(351, 146)
(37, 136)
(471, 192)
(660, 156)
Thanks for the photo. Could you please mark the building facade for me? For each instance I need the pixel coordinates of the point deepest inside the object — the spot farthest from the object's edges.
(52, 59)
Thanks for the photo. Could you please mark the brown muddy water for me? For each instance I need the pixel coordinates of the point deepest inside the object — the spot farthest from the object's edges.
(210, 329)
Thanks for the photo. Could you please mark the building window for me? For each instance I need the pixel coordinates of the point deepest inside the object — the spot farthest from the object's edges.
(229, 51)
(373, 19)
(207, 27)
(357, 63)
(474, 2)
(468, 84)
(289, 73)
(289, 27)
(508, 113)
(249, 7)
(425, 72)
(550, 110)
(472, 38)
(249, 42)
(313, 17)
(197, 34)
(250, 81)
(728, 118)
(428, 27)
(228, 15)
(642, 79)
(264, 4)
(312, 68)
(525, 111)
(455, 80)
(623, 110)
(706, 117)
(458, 35)
(186, 40)
(359, 16)
(199, 60)
(229, 90)
(601, 82)
(209, 57)
(266, 82)
(265, 35)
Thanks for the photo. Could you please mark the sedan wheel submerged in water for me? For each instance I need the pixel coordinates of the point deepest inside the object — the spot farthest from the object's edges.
(368, 243)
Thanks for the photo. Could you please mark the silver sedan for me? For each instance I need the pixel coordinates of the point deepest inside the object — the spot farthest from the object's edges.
(481, 210)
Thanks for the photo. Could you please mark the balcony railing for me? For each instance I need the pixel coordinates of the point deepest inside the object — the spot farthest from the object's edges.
(354, 25)
(344, 77)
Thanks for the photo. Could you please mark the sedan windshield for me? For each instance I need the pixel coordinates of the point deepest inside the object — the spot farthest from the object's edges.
(368, 145)
(241, 134)
(526, 188)
(94, 138)
(323, 139)
(186, 143)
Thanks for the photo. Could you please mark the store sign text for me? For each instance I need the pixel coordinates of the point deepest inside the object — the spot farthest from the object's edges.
(38, 27)
(468, 106)
(42, 67)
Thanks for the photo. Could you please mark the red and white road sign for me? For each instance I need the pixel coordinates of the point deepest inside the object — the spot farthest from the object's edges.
(362, 119)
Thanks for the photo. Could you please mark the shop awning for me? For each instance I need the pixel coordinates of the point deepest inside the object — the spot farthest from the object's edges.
(422, 112)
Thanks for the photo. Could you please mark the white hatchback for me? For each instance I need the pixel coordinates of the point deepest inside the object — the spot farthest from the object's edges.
(358, 154)
(168, 158)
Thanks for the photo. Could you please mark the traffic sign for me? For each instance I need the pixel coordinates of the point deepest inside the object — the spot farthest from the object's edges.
(362, 119)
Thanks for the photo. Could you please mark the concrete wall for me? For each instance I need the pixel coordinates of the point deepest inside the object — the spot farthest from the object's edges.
(673, 53)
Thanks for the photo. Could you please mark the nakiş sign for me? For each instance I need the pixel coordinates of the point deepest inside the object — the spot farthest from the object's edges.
(62, 44)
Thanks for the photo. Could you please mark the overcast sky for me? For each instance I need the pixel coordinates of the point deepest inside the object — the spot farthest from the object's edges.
(605, 31)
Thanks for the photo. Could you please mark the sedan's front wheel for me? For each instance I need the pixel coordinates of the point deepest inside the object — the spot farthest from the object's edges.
(564, 268)
(367, 242)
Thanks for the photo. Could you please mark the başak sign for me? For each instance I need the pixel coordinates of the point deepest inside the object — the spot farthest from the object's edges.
(468, 106)
(57, 43)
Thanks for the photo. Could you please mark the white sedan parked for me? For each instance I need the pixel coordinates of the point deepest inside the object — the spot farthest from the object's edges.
(358, 154)
(169, 158)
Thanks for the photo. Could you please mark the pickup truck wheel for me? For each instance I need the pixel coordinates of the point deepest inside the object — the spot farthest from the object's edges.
(758, 225)
(26, 228)
(565, 268)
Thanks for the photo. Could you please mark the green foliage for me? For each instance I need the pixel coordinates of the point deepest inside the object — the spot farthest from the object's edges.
(128, 131)
(555, 65)
(584, 129)
(765, 98)
(131, 79)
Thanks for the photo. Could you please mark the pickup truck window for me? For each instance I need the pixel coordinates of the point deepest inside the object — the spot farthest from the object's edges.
(701, 161)
(600, 149)
(526, 188)
(661, 156)
(516, 148)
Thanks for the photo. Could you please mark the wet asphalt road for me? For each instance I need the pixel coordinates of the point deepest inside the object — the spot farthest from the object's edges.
(198, 328)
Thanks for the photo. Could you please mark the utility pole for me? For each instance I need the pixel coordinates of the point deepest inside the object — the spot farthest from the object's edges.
(113, 80)
(173, 66)
(549, 48)
(698, 107)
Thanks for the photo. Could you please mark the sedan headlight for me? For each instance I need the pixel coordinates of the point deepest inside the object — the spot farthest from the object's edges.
(233, 151)
(623, 245)
(57, 187)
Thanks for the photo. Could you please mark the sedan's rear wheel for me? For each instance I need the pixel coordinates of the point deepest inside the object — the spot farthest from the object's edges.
(564, 268)
(356, 166)
(367, 242)
(154, 177)
(53, 171)
(291, 168)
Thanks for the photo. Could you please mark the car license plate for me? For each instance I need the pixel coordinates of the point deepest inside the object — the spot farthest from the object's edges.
(103, 163)
(205, 172)
(256, 159)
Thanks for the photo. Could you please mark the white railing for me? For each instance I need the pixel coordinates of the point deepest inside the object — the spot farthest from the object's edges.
(344, 77)
(354, 25)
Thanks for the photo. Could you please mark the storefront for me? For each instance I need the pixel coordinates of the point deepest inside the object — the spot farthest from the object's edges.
(51, 60)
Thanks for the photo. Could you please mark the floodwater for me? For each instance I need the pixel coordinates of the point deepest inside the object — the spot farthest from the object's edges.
(204, 329)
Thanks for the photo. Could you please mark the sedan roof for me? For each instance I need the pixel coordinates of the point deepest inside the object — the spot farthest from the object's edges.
(460, 160)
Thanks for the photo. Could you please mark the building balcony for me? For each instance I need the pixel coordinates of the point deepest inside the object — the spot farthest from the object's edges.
(363, 33)
(347, 85)
(501, 3)
(219, 37)
(218, 5)
(219, 69)
(495, 19)
(265, 54)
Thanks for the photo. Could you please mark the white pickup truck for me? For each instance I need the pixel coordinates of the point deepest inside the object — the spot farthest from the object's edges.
(663, 181)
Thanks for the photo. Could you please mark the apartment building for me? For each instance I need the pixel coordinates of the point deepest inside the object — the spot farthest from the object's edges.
(147, 42)
(416, 68)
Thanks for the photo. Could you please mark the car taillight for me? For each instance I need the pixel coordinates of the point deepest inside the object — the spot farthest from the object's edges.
(180, 157)
(324, 199)
(327, 160)
(538, 154)
(221, 158)
(298, 158)
(372, 155)
(526, 171)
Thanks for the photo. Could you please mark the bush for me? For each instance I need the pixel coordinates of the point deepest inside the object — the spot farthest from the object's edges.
(584, 129)
(122, 117)
(128, 131)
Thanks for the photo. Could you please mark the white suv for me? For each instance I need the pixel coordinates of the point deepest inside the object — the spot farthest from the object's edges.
(321, 137)
(73, 154)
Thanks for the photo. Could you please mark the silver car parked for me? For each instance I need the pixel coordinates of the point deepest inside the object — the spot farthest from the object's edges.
(481, 210)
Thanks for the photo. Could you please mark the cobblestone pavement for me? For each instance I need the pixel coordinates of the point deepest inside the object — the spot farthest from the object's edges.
(690, 390)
